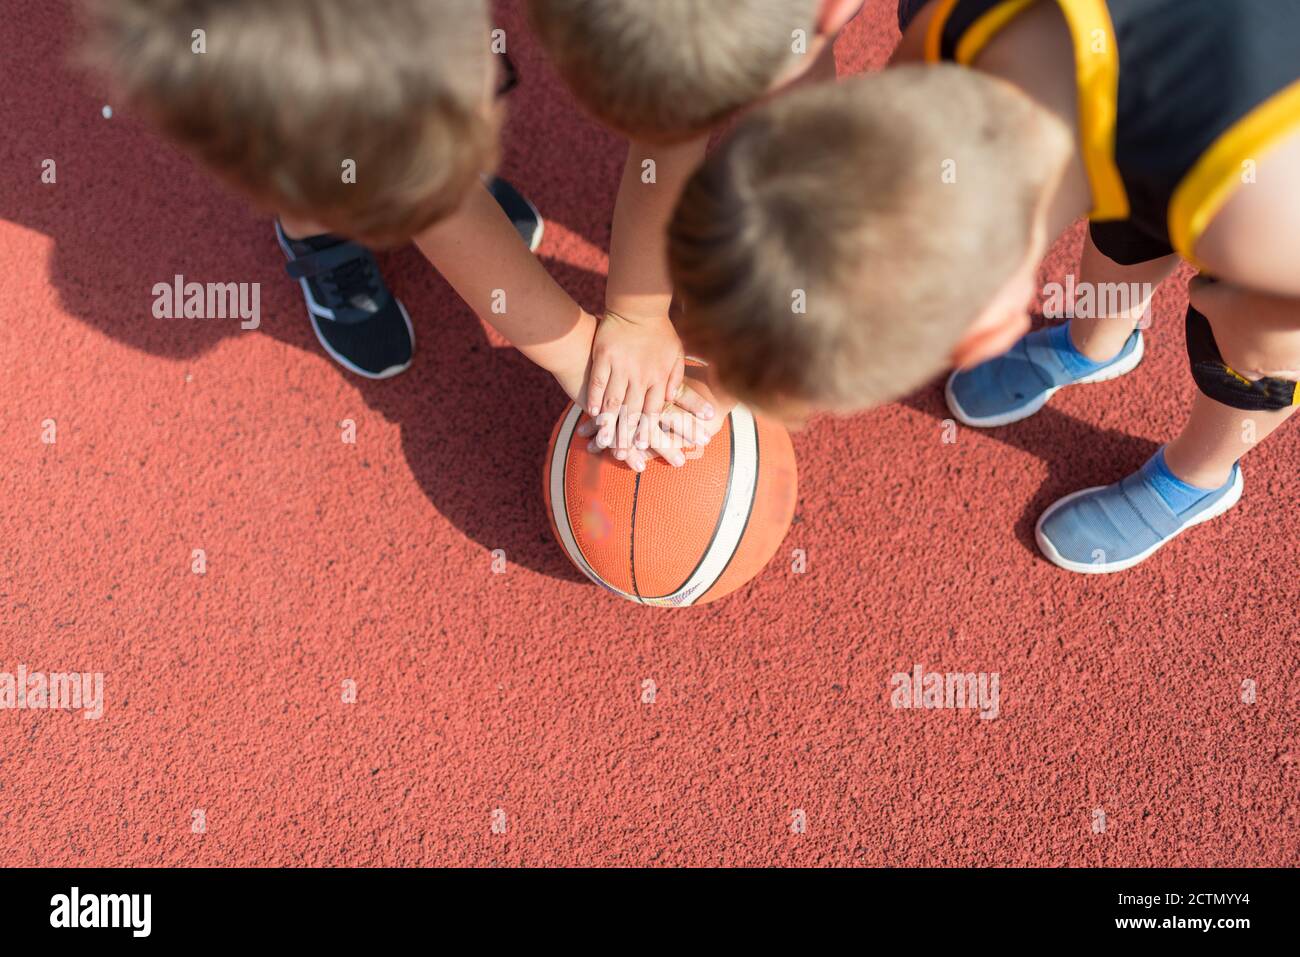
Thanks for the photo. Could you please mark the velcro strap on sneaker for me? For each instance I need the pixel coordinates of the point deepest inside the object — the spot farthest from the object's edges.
(1148, 506)
(324, 260)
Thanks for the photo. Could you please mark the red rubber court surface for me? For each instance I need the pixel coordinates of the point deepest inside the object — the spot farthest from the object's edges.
(755, 731)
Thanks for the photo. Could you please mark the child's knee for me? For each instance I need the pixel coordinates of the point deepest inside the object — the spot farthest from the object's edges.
(1221, 382)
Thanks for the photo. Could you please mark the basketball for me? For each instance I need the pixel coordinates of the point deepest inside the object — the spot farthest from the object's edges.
(673, 536)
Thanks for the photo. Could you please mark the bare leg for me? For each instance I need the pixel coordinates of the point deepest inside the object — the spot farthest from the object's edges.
(1101, 338)
(1215, 437)
(1251, 331)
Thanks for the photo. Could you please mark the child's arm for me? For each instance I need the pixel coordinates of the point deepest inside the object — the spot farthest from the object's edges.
(637, 357)
(636, 341)
(911, 49)
(479, 252)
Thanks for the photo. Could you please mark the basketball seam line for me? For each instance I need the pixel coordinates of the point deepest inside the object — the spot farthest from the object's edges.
(722, 511)
(636, 491)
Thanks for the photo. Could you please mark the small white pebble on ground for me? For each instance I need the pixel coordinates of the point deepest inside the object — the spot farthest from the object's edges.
(108, 112)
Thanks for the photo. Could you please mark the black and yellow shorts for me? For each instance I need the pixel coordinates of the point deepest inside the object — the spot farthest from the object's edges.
(1177, 101)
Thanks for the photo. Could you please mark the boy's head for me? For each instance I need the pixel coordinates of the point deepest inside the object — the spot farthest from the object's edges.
(667, 70)
(850, 241)
(284, 98)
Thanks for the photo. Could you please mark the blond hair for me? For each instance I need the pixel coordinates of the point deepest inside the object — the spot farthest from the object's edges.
(891, 207)
(287, 92)
(664, 70)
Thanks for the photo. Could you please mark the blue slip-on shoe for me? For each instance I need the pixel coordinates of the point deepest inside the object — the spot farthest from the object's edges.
(1018, 383)
(1113, 527)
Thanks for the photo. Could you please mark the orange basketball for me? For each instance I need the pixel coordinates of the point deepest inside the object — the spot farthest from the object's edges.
(673, 536)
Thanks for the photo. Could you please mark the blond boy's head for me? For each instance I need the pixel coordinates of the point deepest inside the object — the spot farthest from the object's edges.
(664, 70)
(374, 119)
(849, 241)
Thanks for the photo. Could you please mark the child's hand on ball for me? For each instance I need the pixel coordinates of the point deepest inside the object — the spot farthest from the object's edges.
(677, 433)
(636, 373)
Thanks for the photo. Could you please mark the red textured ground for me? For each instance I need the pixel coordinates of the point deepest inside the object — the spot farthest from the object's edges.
(523, 691)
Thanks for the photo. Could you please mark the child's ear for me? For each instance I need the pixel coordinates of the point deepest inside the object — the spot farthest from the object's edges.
(991, 336)
(1000, 325)
(835, 14)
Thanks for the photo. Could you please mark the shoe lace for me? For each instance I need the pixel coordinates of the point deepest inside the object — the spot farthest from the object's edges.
(355, 282)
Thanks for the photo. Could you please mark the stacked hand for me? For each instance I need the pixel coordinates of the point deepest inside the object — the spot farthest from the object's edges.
(641, 401)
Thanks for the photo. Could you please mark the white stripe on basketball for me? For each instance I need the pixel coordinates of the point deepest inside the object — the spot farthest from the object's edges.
(560, 507)
(735, 512)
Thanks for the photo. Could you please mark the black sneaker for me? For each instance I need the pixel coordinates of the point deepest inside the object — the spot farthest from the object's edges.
(521, 212)
(358, 321)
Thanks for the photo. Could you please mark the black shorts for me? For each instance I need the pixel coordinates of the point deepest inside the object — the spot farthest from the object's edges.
(1123, 242)
(1177, 98)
